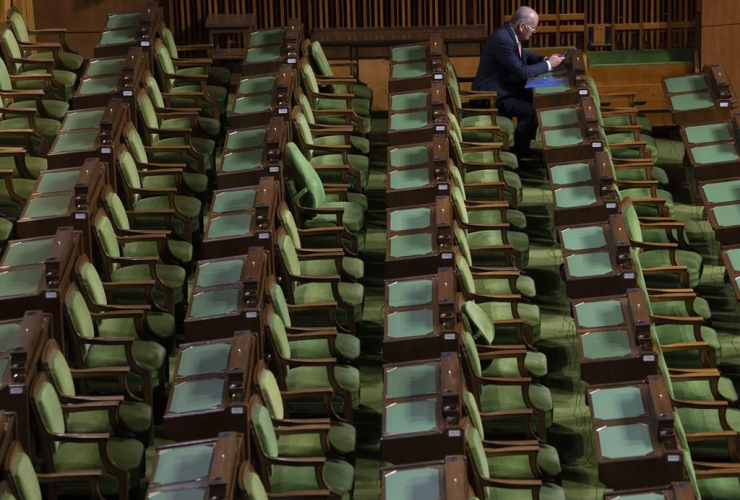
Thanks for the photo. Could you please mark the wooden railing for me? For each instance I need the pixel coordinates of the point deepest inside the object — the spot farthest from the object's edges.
(587, 24)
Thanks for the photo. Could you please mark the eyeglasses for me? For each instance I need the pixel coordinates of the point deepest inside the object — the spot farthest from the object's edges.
(534, 30)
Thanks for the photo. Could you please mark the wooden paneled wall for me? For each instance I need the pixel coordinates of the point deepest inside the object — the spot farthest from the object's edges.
(587, 24)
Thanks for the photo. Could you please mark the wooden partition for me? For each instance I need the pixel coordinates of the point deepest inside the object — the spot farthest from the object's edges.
(720, 35)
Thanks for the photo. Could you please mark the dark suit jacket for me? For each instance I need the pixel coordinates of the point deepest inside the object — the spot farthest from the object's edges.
(500, 67)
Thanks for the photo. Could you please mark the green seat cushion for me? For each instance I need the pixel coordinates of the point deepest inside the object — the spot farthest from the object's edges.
(697, 420)
(121, 36)
(149, 354)
(408, 53)
(83, 119)
(256, 84)
(409, 121)
(678, 308)
(161, 324)
(715, 153)
(71, 61)
(409, 156)
(605, 344)
(107, 66)
(203, 359)
(484, 120)
(520, 241)
(700, 390)
(571, 173)
(583, 265)
(411, 100)
(361, 144)
(264, 54)
(339, 475)
(534, 362)
(638, 174)
(354, 267)
(409, 70)
(719, 488)
(309, 377)
(211, 303)
(136, 416)
(66, 78)
(599, 314)
(625, 441)
(659, 258)
(583, 238)
(172, 276)
(411, 380)
(363, 91)
(218, 93)
(342, 438)
(180, 250)
(347, 345)
(210, 126)
(195, 182)
(222, 76)
(188, 205)
(311, 293)
(711, 132)
(645, 124)
(524, 285)
(55, 108)
(266, 37)
(47, 126)
(518, 467)
(686, 83)
(410, 293)
(501, 397)
(99, 85)
(353, 216)
(239, 161)
(234, 200)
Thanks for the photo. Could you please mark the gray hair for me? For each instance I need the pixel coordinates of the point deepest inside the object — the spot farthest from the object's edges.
(523, 14)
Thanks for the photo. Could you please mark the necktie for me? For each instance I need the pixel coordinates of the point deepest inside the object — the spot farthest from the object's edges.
(519, 47)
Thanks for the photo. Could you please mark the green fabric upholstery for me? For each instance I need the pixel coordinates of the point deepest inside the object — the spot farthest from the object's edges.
(24, 477)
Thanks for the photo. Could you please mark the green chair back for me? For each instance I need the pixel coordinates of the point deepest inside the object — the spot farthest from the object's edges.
(280, 303)
(278, 334)
(130, 173)
(471, 407)
(466, 276)
(289, 254)
(471, 353)
(149, 115)
(631, 220)
(165, 63)
(270, 391)
(107, 237)
(154, 93)
(93, 284)
(169, 42)
(262, 422)
(5, 82)
(462, 243)
(310, 78)
(117, 211)
(60, 372)
(24, 477)
(305, 130)
(305, 105)
(12, 48)
(459, 201)
(255, 490)
(454, 91)
(311, 180)
(49, 409)
(474, 444)
(79, 314)
(480, 323)
(18, 25)
(290, 226)
(318, 57)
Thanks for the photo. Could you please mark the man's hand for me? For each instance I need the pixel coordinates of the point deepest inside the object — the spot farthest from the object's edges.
(555, 60)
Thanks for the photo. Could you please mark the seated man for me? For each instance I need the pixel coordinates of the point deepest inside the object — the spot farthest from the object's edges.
(505, 66)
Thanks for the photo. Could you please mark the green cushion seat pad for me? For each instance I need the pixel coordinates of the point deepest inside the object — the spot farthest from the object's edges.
(256, 85)
(645, 124)
(715, 153)
(411, 380)
(245, 138)
(27, 252)
(686, 83)
(337, 474)
(342, 438)
(136, 416)
(501, 397)
(221, 272)
(229, 225)
(581, 265)
(700, 390)
(195, 182)
(710, 132)
(483, 120)
(105, 66)
(497, 286)
(408, 53)
(123, 20)
(623, 441)
(311, 293)
(583, 238)
(409, 156)
(576, 196)
(518, 466)
(727, 215)
(161, 324)
(606, 344)
(214, 303)
(420, 483)
(8, 333)
(616, 403)
(409, 70)
(558, 117)
(182, 251)
(410, 120)
(172, 276)
(73, 141)
(410, 293)
(696, 100)
(353, 216)
(410, 100)
(149, 354)
(571, 173)
(239, 161)
(599, 314)
(361, 144)
(264, 54)
(658, 258)
(348, 346)
(678, 308)
(410, 417)
(196, 394)
(82, 119)
(253, 104)
(47, 206)
(113, 37)
(99, 85)
(183, 464)
(66, 78)
(54, 181)
(405, 324)
(309, 377)
(55, 108)
(359, 106)
(410, 219)
(266, 37)
(351, 265)
(534, 362)
(411, 245)
(673, 334)
(203, 359)
(46, 126)
(562, 137)
(722, 192)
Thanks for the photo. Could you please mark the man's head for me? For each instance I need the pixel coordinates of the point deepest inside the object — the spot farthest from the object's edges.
(524, 22)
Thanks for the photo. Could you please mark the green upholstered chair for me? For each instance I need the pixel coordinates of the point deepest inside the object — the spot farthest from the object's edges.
(534, 460)
(655, 256)
(121, 459)
(358, 142)
(14, 191)
(42, 99)
(63, 83)
(252, 487)
(127, 321)
(284, 474)
(619, 109)
(327, 139)
(148, 203)
(493, 243)
(313, 288)
(509, 309)
(193, 181)
(177, 128)
(323, 68)
(303, 318)
(193, 87)
(27, 482)
(686, 342)
(161, 244)
(342, 436)
(118, 267)
(496, 210)
(321, 206)
(521, 361)
(487, 482)
(334, 101)
(132, 417)
(352, 268)
(523, 407)
(207, 125)
(216, 74)
(147, 360)
(495, 280)
(481, 152)
(64, 57)
(322, 373)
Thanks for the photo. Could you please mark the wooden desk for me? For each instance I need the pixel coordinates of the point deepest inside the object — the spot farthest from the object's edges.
(251, 154)
(722, 208)
(411, 126)
(417, 173)
(238, 353)
(445, 479)
(698, 98)
(117, 41)
(411, 74)
(421, 378)
(574, 70)
(281, 51)
(261, 98)
(110, 77)
(232, 28)
(569, 133)
(730, 257)
(712, 149)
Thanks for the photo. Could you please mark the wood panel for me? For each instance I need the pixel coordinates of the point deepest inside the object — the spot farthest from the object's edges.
(715, 41)
(83, 19)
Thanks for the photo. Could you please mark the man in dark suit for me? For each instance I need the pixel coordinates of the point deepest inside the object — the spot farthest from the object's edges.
(505, 66)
